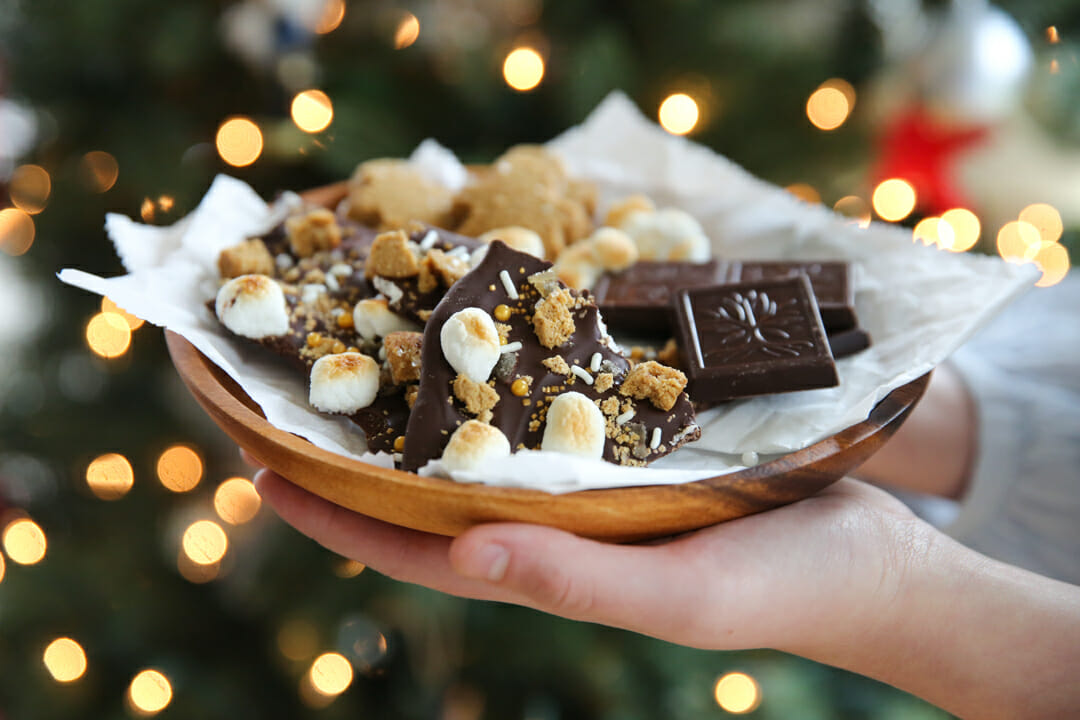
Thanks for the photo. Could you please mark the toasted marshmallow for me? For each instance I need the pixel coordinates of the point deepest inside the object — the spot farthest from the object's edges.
(620, 211)
(252, 306)
(520, 238)
(343, 382)
(473, 444)
(613, 249)
(668, 234)
(470, 343)
(574, 426)
(372, 319)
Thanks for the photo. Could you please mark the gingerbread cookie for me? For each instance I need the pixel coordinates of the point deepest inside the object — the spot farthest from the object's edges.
(387, 194)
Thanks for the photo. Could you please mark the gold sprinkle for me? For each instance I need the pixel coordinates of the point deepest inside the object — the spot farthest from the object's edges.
(338, 346)
(313, 339)
(345, 320)
(502, 313)
(520, 387)
(399, 443)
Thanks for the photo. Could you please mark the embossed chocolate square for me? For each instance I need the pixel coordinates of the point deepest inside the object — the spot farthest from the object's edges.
(756, 338)
(638, 299)
(829, 280)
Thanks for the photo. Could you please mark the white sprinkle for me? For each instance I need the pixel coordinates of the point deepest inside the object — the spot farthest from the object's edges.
(594, 362)
(510, 347)
(429, 240)
(750, 458)
(580, 371)
(398, 457)
(655, 441)
(459, 252)
(337, 255)
(341, 269)
(337, 312)
(311, 293)
(332, 283)
(382, 352)
(508, 284)
(283, 261)
(392, 292)
(625, 417)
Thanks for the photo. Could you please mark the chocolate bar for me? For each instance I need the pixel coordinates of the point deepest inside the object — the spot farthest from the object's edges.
(755, 338)
(829, 280)
(638, 299)
(848, 342)
(645, 413)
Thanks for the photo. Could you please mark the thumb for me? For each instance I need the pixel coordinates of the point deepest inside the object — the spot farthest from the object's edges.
(648, 589)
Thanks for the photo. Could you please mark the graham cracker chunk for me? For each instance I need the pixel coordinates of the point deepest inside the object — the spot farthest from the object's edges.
(659, 383)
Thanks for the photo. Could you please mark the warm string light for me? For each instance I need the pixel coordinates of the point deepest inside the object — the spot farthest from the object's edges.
(239, 141)
(407, 32)
(150, 692)
(805, 192)
(108, 335)
(523, 69)
(312, 111)
(99, 171)
(297, 640)
(332, 14)
(29, 188)
(854, 207)
(346, 568)
(737, 693)
(679, 114)
(830, 105)
(179, 468)
(204, 542)
(65, 660)
(16, 231)
(107, 305)
(24, 541)
(236, 501)
(1034, 238)
(894, 199)
(331, 674)
(110, 476)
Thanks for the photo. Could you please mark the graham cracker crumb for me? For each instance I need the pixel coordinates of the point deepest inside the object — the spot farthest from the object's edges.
(410, 395)
(313, 231)
(556, 364)
(479, 398)
(659, 383)
(391, 256)
(247, 258)
(403, 355)
(552, 320)
(669, 354)
(603, 382)
(610, 406)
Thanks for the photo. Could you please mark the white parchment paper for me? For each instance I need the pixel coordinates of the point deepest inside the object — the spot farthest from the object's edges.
(918, 303)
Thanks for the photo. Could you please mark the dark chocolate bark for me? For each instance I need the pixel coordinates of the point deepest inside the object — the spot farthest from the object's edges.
(437, 412)
(746, 339)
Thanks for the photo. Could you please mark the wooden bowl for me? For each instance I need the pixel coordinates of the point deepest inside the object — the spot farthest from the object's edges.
(618, 514)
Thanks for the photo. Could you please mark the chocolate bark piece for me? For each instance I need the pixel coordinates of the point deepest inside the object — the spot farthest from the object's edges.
(528, 379)
(848, 342)
(638, 299)
(830, 281)
(755, 338)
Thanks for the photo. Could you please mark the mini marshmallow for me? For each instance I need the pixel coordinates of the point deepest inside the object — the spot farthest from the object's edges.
(470, 343)
(252, 306)
(668, 234)
(520, 238)
(613, 249)
(343, 382)
(574, 426)
(373, 319)
(472, 445)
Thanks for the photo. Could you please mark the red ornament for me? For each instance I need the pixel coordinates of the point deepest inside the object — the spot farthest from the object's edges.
(923, 150)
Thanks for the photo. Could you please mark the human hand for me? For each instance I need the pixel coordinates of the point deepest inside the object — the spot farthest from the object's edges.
(798, 578)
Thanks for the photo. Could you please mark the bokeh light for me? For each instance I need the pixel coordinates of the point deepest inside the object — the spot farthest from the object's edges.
(1018, 241)
(108, 335)
(408, 30)
(1044, 218)
(523, 69)
(1052, 35)
(932, 231)
(893, 199)
(16, 231)
(239, 141)
(678, 114)
(347, 568)
(29, 188)
(331, 673)
(110, 476)
(312, 111)
(65, 660)
(854, 207)
(205, 542)
(805, 192)
(236, 501)
(332, 14)
(179, 468)
(965, 229)
(3, 567)
(24, 541)
(1053, 260)
(737, 693)
(107, 305)
(297, 639)
(150, 692)
(99, 171)
(195, 572)
(830, 105)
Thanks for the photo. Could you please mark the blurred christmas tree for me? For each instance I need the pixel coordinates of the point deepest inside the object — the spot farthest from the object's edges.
(122, 531)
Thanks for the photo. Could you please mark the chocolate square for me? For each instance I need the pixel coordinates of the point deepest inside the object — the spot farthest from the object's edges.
(829, 279)
(638, 299)
(756, 338)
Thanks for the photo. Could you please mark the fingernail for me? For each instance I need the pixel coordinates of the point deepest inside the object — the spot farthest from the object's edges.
(488, 562)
